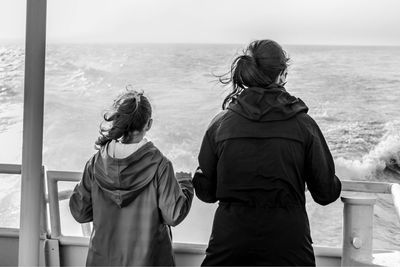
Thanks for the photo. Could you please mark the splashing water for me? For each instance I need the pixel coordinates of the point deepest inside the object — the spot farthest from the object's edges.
(383, 154)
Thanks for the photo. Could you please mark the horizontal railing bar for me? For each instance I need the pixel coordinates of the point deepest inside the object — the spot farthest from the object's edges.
(198, 248)
(9, 232)
(366, 187)
(14, 232)
(347, 185)
(67, 176)
(62, 195)
(189, 248)
(10, 168)
(327, 251)
(195, 248)
(74, 241)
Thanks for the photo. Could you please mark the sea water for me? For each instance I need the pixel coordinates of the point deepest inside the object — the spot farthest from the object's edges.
(353, 94)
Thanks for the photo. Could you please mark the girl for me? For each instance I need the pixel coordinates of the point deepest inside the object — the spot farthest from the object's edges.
(255, 159)
(130, 192)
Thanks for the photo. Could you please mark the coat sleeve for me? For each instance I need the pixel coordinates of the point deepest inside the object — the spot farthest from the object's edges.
(80, 202)
(323, 184)
(205, 178)
(175, 194)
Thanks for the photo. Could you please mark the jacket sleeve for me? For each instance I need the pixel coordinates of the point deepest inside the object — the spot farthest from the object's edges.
(323, 184)
(205, 178)
(80, 202)
(175, 194)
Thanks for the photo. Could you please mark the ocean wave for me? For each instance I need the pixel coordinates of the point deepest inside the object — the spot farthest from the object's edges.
(7, 91)
(66, 67)
(11, 73)
(322, 114)
(94, 72)
(385, 152)
(74, 78)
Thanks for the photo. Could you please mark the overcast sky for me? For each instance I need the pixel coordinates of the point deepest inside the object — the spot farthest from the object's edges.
(337, 22)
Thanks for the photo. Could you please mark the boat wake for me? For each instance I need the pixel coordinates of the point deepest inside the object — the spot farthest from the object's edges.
(380, 163)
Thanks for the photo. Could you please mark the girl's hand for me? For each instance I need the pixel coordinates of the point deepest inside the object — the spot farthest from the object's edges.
(182, 176)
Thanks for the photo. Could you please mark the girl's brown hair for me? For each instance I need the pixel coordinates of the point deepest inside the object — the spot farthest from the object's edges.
(131, 111)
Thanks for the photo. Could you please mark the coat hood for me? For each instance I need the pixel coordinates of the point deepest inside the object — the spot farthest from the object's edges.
(267, 104)
(122, 180)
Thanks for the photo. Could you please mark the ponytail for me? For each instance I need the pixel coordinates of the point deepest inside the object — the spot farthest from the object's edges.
(259, 66)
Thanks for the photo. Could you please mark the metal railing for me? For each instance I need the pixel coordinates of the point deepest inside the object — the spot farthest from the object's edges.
(375, 187)
(53, 177)
(53, 197)
(16, 169)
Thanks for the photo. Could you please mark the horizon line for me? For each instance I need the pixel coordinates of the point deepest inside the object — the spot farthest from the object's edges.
(94, 42)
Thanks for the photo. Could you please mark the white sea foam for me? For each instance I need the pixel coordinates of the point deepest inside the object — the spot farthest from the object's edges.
(376, 159)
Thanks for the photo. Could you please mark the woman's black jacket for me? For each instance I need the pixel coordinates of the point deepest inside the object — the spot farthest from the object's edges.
(261, 152)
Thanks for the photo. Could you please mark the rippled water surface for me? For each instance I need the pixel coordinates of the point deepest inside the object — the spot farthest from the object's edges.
(353, 93)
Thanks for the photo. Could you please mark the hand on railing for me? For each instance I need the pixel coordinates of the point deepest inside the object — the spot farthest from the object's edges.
(181, 176)
(86, 229)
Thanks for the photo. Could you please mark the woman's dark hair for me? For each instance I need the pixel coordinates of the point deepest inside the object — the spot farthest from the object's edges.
(131, 111)
(259, 66)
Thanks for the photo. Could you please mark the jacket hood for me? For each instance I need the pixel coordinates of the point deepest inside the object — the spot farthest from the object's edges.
(267, 104)
(122, 180)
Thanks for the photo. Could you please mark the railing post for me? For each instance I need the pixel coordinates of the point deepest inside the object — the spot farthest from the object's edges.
(395, 190)
(54, 207)
(358, 216)
(44, 231)
(31, 190)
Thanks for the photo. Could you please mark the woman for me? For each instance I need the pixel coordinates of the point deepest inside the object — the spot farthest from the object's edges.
(130, 192)
(256, 157)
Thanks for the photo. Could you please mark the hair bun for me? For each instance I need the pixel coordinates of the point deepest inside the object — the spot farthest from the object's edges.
(259, 66)
(248, 60)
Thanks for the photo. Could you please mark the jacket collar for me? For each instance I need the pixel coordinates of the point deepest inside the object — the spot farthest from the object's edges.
(272, 103)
